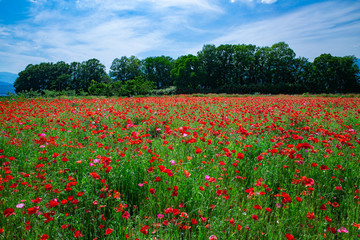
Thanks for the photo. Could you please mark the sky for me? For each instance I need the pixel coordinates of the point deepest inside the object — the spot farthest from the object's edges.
(35, 31)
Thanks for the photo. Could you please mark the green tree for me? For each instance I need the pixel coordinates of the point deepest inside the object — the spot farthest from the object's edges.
(210, 64)
(90, 70)
(244, 63)
(157, 70)
(61, 77)
(335, 74)
(188, 74)
(226, 65)
(281, 61)
(125, 68)
(262, 66)
(27, 79)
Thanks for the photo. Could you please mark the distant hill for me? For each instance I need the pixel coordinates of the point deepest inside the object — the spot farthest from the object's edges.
(6, 82)
(8, 77)
(5, 88)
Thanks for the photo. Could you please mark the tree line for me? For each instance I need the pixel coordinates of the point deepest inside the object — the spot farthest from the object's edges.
(215, 69)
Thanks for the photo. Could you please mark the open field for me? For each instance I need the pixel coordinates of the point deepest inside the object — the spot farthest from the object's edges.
(182, 167)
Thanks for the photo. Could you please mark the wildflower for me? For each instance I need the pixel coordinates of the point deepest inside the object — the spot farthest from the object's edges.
(289, 236)
(160, 216)
(342, 229)
(20, 205)
(78, 234)
(324, 167)
(212, 237)
(108, 231)
(310, 215)
(126, 215)
(145, 229)
(8, 212)
(323, 207)
(44, 237)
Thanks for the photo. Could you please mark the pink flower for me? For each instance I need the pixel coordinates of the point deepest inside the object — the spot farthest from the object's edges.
(140, 184)
(160, 216)
(342, 229)
(172, 162)
(212, 237)
(207, 177)
(20, 205)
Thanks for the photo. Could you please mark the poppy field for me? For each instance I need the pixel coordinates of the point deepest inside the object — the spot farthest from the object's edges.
(180, 167)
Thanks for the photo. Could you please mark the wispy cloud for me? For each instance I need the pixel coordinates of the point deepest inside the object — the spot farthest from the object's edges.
(257, 1)
(72, 30)
(103, 29)
(312, 30)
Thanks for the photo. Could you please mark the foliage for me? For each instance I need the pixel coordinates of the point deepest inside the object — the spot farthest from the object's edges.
(125, 68)
(165, 91)
(157, 70)
(228, 68)
(137, 86)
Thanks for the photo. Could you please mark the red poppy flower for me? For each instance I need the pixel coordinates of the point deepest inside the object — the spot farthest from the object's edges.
(8, 212)
(126, 215)
(194, 222)
(44, 237)
(145, 229)
(198, 150)
(78, 234)
(95, 175)
(324, 167)
(289, 236)
(255, 217)
(310, 215)
(108, 231)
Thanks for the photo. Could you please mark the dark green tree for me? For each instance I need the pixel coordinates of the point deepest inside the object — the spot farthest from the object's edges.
(210, 64)
(157, 70)
(226, 64)
(27, 79)
(188, 74)
(90, 70)
(244, 63)
(335, 74)
(125, 68)
(281, 62)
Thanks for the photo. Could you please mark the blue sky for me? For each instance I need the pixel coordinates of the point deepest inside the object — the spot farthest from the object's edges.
(34, 31)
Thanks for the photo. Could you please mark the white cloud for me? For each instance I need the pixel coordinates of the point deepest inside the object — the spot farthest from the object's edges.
(259, 1)
(310, 31)
(107, 29)
(116, 5)
(268, 1)
(104, 29)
